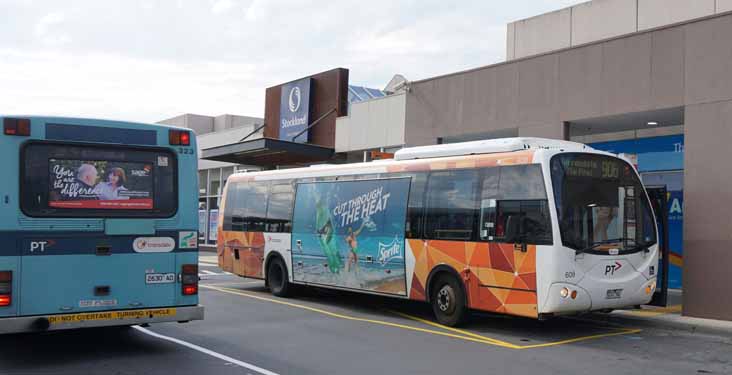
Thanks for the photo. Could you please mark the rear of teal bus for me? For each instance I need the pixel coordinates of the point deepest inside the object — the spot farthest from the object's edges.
(98, 224)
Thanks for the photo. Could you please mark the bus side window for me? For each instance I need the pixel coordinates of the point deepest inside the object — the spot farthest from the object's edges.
(525, 221)
(508, 216)
(234, 209)
(255, 212)
(489, 193)
(519, 182)
(451, 205)
(415, 205)
(279, 208)
(246, 207)
(521, 208)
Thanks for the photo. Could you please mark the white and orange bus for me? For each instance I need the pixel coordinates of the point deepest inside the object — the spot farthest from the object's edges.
(523, 226)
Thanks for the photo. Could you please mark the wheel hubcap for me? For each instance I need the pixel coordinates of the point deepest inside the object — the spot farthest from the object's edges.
(445, 298)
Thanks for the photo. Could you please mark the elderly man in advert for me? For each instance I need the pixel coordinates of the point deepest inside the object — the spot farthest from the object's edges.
(87, 175)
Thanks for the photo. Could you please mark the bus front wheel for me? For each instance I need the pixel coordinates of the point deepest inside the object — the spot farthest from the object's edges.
(277, 280)
(448, 301)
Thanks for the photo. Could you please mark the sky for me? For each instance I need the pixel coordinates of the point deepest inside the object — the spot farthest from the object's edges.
(151, 60)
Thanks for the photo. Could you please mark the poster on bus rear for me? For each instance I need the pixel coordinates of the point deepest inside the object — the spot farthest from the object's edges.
(100, 184)
(350, 234)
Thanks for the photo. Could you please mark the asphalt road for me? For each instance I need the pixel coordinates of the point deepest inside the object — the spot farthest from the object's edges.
(248, 331)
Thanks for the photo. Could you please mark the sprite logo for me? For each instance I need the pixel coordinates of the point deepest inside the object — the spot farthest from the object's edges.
(390, 251)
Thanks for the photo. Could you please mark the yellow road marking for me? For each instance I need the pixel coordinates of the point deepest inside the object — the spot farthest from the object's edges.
(457, 330)
(346, 317)
(463, 335)
(621, 331)
(658, 311)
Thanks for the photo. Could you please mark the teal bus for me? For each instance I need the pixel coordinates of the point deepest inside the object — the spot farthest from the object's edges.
(98, 224)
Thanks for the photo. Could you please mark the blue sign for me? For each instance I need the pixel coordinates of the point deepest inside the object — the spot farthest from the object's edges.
(295, 110)
(351, 234)
(675, 237)
(668, 143)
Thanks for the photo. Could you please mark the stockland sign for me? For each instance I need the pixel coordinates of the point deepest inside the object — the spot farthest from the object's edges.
(295, 110)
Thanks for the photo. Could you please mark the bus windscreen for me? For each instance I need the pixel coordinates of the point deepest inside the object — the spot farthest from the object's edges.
(100, 184)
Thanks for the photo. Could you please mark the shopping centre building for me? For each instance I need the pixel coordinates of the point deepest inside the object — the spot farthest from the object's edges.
(650, 78)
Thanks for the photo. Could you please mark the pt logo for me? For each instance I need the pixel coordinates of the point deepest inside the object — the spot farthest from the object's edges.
(610, 269)
(40, 246)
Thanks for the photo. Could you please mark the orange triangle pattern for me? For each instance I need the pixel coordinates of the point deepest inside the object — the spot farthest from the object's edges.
(515, 302)
(499, 278)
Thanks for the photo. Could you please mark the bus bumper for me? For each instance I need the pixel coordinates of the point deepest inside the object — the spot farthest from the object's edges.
(42, 323)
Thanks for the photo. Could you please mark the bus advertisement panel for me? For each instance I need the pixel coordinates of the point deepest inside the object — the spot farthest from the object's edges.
(100, 184)
(350, 234)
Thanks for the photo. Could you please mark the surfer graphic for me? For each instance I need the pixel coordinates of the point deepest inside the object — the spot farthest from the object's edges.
(326, 238)
(351, 240)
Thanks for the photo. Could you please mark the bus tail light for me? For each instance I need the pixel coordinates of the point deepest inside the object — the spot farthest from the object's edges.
(179, 138)
(189, 279)
(17, 126)
(6, 288)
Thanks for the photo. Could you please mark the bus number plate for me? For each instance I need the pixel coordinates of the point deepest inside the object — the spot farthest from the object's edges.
(613, 293)
(159, 278)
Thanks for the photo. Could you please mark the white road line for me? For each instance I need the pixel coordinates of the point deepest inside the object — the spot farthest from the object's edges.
(207, 272)
(206, 351)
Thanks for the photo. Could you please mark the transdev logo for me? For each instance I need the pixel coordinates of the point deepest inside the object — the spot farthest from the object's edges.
(153, 244)
(295, 99)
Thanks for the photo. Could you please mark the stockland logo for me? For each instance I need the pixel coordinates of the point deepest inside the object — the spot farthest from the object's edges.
(390, 251)
(295, 99)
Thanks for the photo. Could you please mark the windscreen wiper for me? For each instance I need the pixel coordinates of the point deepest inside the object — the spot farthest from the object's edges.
(603, 242)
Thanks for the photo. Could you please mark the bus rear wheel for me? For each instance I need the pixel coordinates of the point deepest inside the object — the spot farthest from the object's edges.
(448, 301)
(277, 280)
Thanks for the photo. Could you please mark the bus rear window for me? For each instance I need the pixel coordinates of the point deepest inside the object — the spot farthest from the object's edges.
(91, 181)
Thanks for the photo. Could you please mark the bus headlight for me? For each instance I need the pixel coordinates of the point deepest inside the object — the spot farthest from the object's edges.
(564, 292)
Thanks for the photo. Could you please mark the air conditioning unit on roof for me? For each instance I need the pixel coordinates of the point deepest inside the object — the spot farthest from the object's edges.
(489, 146)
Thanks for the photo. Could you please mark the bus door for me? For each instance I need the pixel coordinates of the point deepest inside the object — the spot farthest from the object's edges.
(659, 201)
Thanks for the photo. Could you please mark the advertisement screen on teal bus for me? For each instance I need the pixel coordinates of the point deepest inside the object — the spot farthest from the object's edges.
(100, 184)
